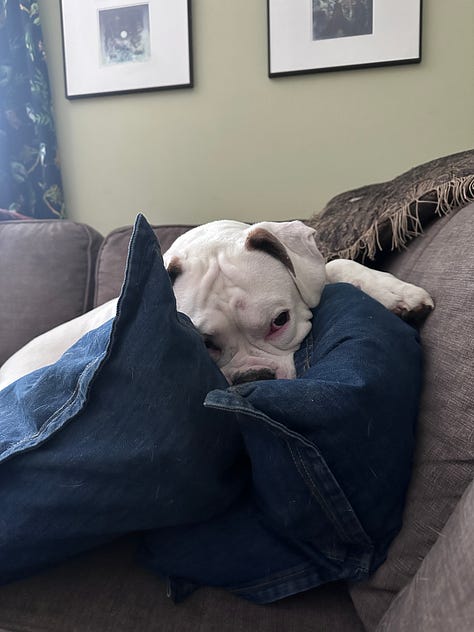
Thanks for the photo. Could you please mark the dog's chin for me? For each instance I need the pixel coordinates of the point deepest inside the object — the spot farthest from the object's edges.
(252, 375)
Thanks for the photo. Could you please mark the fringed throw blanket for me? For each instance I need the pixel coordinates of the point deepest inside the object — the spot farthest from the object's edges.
(360, 223)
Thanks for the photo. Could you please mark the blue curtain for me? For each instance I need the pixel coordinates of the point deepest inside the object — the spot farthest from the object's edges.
(30, 178)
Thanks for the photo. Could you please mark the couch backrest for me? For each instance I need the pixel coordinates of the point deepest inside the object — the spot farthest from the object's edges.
(46, 277)
(113, 255)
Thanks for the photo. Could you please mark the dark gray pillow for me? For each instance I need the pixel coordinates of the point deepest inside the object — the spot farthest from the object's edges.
(369, 221)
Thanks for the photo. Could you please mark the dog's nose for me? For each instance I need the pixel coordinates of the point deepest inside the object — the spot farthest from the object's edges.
(253, 375)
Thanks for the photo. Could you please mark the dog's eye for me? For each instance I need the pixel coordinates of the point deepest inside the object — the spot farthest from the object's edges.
(211, 346)
(280, 320)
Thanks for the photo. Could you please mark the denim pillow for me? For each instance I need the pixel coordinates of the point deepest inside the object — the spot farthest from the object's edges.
(114, 437)
(331, 457)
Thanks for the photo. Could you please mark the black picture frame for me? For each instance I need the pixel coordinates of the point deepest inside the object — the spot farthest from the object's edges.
(313, 36)
(124, 46)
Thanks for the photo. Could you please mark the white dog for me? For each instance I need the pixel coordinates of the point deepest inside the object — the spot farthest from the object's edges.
(249, 290)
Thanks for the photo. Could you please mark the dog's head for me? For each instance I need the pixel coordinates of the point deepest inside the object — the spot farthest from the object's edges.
(249, 291)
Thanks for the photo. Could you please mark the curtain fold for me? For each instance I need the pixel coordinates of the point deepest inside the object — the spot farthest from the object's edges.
(30, 178)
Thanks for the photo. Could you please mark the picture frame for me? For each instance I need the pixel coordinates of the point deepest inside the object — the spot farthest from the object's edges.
(123, 46)
(310, 36)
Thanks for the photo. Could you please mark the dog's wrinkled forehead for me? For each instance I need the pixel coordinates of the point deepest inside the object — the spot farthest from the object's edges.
(248, 290)
(291, 243)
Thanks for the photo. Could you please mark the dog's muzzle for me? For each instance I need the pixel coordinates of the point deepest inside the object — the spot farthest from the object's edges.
(253, 375)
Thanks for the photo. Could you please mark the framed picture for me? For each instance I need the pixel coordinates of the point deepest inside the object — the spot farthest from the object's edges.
(119, 46)
(307, 36)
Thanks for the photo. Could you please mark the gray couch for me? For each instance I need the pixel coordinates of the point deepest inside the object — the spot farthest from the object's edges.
(55, 270)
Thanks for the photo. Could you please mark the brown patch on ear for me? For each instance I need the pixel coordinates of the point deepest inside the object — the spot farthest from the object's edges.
(174, 269)
(264, 240)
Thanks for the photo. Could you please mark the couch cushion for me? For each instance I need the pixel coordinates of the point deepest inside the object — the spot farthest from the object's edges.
(47, 277)
(369, 221)
(113, 255)
(106, 591)
(442, 261)
(103, 443)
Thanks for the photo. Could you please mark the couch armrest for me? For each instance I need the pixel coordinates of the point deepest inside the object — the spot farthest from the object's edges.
(440, 597)
(47, 277)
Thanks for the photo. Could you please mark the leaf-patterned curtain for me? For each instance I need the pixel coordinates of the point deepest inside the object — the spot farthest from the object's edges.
(30, 179)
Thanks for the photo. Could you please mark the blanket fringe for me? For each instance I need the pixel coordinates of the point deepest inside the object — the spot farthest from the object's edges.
(405, 222)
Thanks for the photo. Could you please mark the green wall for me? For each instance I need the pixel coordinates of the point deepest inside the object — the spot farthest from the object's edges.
(240, 145)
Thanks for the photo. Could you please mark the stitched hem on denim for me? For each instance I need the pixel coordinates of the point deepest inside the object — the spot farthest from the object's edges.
(310, 463)
(73, 405)
(280, 585)
(294, 581)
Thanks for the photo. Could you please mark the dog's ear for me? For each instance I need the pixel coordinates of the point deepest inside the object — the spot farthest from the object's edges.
(294, 244)
(260, 238)
(174, 269)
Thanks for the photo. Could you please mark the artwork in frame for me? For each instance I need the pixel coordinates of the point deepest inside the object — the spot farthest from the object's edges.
(121, 46)
(306, 36)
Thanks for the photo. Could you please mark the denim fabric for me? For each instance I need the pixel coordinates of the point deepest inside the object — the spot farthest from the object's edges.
(114, 437)
(330, 454)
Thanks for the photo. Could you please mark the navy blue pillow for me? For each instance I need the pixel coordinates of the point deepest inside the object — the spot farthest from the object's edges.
(331, 457)
(114, 437)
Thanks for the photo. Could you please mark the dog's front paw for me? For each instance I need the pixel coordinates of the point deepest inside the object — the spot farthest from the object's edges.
(408, 301)
(411, 303)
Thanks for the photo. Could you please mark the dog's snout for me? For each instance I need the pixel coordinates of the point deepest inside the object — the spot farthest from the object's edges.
(253, 375)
